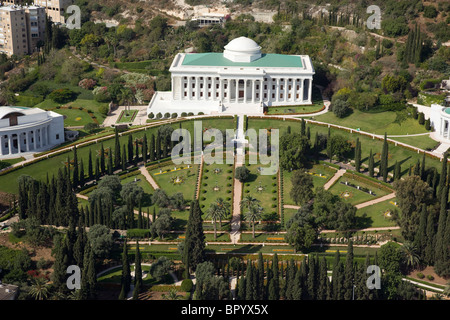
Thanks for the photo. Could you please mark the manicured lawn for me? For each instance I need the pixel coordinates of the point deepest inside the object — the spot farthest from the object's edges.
(423, 142)
(10, 162)
(262, 237)
(24, 100)
(288, 214)
(377, 123)
(127, 116)
(320, 174)
(396, 153)
(315, 107)
(262, 187)
(377, 215)
(217, 182)
(74, 117)
(172, 179)
(39, 170)
(115, 275)
(353, 195)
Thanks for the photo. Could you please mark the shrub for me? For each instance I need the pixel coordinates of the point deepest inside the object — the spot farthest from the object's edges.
(62, 95)
(205, 184)
(167, 115)
(430, 277)
(242, 173)
(186, 285)
(104, 109)
(151, 115)
(200, 113)
(420, 275)
(159, 115)
(190, 114)
(183, 114)
(246, 191)
(274, 191)
(174, 115)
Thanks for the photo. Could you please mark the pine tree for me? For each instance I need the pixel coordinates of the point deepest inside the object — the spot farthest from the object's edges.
(371, 164)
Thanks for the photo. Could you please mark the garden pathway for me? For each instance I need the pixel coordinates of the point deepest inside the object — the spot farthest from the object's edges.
(148, 176)
(235, 233)
(336, 177)
(375, 201)
(289, 206)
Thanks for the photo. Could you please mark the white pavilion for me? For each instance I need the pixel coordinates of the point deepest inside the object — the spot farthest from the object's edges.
(241, 80)
(28, 130)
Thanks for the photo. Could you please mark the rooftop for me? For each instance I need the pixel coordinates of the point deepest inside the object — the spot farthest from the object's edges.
(266, 60)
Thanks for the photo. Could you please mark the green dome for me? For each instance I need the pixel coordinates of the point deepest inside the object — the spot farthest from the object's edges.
(447, 110)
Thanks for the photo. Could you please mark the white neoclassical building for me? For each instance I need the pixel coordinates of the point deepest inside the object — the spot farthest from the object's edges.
(239, 80)
(27, 130)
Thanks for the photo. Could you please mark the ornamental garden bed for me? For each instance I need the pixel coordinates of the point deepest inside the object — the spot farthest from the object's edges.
(263, 188)
(127, 116)
(217, 182)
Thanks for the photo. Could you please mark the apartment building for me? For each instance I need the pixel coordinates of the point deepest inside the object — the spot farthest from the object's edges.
(55, 9)
(21, 28)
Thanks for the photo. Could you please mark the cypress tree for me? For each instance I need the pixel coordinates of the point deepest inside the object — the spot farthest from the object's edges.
(91, 273)
(82, 179)
(110, 163)
(329, 146)
(97, 169)
(152, 148)
(422, 168)
(431, 239)
(308, 133)
(303, 127)
(260, 276)
(322, 288)
(397, 170)
(117, 157)
(136, 156)
(76, 174)
(90, 167)
(242, 289)
(275, 292)
(130, 149)
(249, 282)
(337, 257)
(349, 272)
(440, 248)
(102, 160)
(137, 273)
(144, 149)
(417, 168)
(158, 147)
(60, 265)
(443, 175)
(312, 277)
(194, 244)
(371, 164)
(140, 222)
(420, 236)
(384, 159)
(124, 158)
(358, 155)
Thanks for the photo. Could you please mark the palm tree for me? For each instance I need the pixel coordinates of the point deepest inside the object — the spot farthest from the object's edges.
(253, 214)
(172, 295)
(410, 256)
(248, 201)
(39, 289)
(215, 213)
(224, 207)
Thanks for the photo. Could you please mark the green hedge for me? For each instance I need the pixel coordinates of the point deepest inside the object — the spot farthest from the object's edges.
(138, 233)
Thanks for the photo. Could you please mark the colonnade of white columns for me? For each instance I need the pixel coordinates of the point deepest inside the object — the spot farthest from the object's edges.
(24, 140)
(243, 90)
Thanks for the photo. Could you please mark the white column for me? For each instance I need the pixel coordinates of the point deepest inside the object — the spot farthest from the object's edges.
(236, 83)
(245, 90)
(35, 139)
(294, 92)
(261, 91)
(10, 143)
(213, 88)
(310, 90)
(277, 88)
(221, 90)
(197, 88)
(27, 142)
(286, 89)
(303, 89)
(1, 145)
(41, 137)
(253, 91)
(229, 90)
(188, 91)
(173, 87)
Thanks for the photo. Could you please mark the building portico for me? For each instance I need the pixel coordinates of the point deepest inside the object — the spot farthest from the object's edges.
(241, 77)
(24, 130)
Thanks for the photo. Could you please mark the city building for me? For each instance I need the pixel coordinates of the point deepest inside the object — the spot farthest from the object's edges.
(24, 130)
(209, 20)
(55, 9)
(21, 29)
(239, 80)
